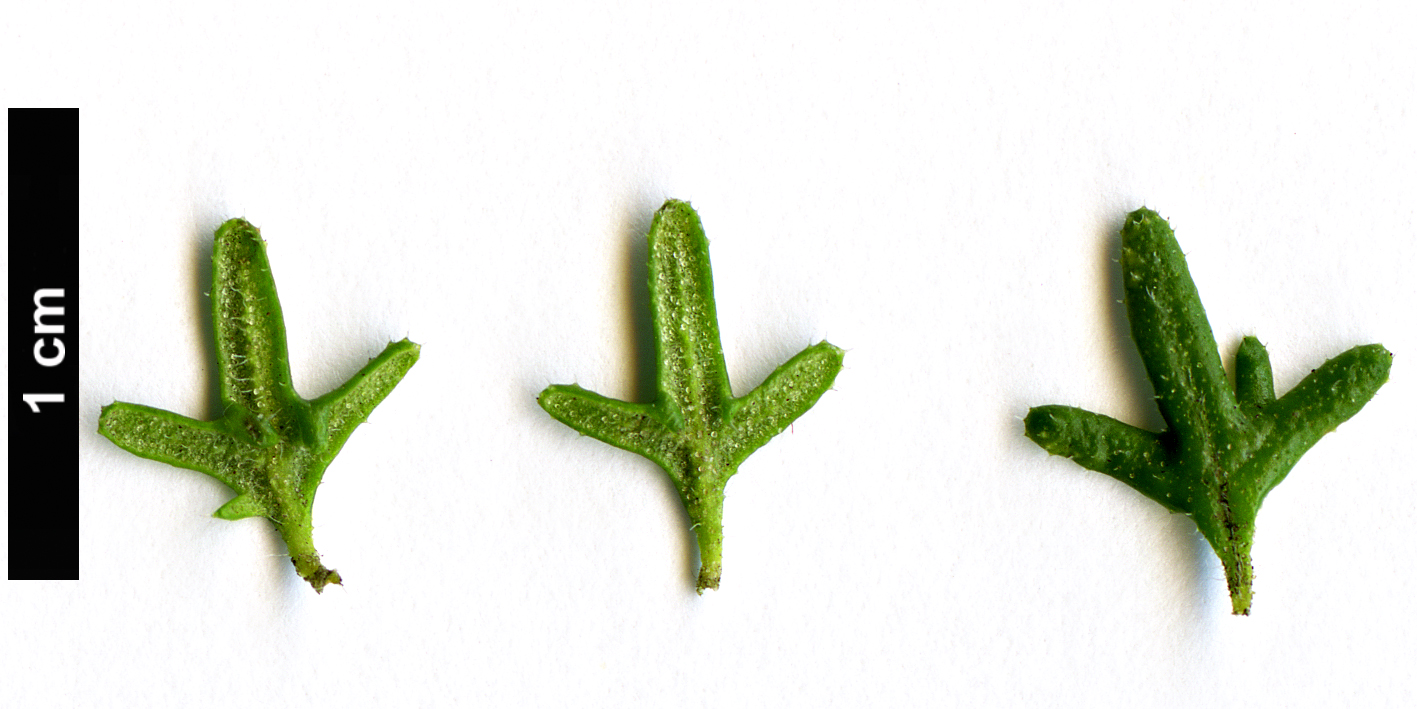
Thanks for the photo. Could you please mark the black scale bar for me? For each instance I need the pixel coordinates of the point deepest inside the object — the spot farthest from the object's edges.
(44, 343)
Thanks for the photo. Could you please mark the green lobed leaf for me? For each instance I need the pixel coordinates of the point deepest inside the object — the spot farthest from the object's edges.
(1223, 449)
(695, 429)
(270, 446)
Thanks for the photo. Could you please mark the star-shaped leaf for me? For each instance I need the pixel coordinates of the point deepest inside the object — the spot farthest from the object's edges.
(695, 430)
(271, 446)
(1223, 449)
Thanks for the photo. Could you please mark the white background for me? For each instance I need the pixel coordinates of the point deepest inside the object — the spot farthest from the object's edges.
(937, 190)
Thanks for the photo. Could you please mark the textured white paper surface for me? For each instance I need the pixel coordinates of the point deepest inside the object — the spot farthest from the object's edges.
(936, 190)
